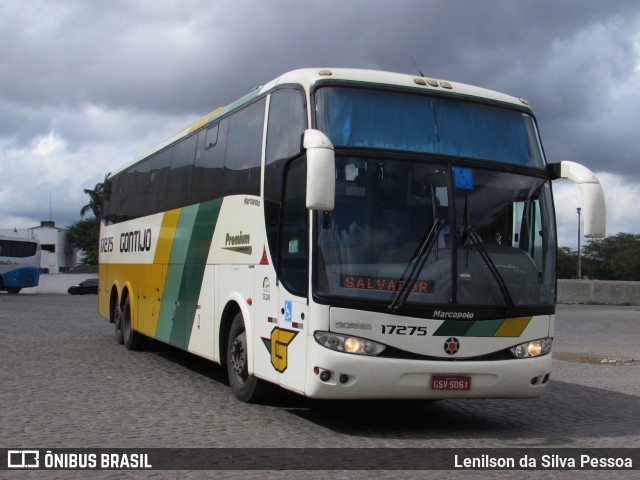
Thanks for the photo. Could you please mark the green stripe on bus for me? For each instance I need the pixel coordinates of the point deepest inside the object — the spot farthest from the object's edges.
(450, 328)
(197, 255)
(508, 327)
(185, 271)
(484, 328)
(170, 313)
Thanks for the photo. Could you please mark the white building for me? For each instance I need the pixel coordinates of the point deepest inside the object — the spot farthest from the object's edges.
(58, 255)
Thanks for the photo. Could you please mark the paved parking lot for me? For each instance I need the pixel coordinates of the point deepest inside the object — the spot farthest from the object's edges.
(66, 383)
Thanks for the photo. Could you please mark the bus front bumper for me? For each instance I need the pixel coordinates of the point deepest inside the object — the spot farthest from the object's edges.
(336, 375)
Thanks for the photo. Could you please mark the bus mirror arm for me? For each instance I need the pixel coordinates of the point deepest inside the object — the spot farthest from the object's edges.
(594, 208)
(321, 171)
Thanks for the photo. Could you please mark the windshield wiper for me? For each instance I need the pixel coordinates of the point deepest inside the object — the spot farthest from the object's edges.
(416, 264)
(471, 238)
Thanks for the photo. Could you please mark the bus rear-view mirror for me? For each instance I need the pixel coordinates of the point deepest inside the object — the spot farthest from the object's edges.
(593, 206)
(321, 168)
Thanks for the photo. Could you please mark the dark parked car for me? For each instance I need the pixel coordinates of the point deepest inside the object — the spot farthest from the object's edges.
(84, 287)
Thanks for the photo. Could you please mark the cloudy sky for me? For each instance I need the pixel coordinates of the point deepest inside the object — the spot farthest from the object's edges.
(86, 86)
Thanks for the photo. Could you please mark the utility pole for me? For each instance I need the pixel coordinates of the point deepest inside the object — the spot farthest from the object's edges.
(579, 252)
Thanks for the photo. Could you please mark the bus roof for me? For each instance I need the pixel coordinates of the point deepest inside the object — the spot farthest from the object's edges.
(19, 239)
(308, 77)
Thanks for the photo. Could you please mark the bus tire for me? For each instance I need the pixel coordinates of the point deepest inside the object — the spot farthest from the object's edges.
(117, 321)
(244, 387)
(14, 290)
(132, 339)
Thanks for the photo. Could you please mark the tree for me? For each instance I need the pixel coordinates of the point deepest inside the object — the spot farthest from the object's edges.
(616, 257)
(567, 263)
(84, 235)
(95, 200)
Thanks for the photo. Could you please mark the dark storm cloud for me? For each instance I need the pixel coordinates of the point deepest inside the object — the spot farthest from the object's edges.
(154, 53)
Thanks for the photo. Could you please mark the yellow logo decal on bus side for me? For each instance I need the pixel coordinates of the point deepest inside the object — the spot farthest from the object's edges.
(278, 345)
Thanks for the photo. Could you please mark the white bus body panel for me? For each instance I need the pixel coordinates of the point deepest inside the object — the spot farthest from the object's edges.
(387, 378)
(393, 378)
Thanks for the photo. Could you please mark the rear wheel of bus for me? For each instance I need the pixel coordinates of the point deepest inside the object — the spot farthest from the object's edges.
(116, 315)
(244, 387)
(131, 339)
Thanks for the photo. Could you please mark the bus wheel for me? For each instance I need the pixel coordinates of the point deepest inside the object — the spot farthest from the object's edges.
(244, 387)
(132, 339)
(13, 290)
(117, 321)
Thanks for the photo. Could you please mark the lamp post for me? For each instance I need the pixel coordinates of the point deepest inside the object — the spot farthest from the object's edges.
(579, 253)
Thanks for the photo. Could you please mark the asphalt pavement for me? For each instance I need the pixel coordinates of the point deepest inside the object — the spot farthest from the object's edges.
(66, 383)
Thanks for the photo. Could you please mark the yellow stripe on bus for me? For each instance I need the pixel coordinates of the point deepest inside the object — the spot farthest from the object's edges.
(165, 239)
(152, 278)
(513, 327)
(201, 121)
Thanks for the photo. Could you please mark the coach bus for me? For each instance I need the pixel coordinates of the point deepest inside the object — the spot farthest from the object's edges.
(347, 234)
(19, 263)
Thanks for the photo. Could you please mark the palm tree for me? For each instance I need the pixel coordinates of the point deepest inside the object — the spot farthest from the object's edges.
(95, 200)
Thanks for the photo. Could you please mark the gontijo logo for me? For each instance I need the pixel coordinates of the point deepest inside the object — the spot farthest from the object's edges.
(135, 241)
(278, 345)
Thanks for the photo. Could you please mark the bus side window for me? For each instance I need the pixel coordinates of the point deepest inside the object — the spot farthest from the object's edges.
(287, 123)
(139, 191)
(242, 155)
(159, 181)
(209, 165)
(294, 230)
(181, 172)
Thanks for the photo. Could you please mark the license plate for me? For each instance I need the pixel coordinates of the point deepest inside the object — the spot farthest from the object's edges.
(448, 382)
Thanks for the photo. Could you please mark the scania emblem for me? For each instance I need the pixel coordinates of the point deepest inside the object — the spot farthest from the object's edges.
(452, 345)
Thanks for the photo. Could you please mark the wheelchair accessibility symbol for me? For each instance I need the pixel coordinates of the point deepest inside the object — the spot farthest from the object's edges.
(288, 311)
(463, 178)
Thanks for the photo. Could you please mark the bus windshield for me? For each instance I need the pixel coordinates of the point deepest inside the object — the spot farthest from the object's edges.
(448, 236)
(361, 117)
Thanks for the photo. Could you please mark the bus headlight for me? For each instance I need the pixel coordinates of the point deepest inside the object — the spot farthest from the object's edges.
(348, 343)
(535, 348)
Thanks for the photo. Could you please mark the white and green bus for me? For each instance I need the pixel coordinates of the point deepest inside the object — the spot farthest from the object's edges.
(347, 234)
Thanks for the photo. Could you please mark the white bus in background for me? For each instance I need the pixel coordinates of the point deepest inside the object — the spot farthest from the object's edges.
(19, 263)
(347, 234)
